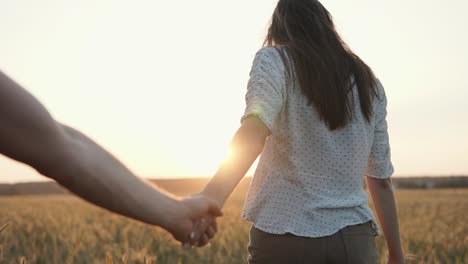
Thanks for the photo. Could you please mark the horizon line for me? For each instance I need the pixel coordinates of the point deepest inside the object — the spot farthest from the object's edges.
(247, 176)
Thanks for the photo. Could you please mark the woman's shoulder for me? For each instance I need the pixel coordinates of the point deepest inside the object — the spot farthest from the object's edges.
(271, 52)
(380, 90)
(274, 56)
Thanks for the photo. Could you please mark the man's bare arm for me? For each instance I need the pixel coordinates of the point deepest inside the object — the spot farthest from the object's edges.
(29, 134)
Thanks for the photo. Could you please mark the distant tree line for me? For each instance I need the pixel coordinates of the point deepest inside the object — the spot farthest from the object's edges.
(430, 182)
(184, 186)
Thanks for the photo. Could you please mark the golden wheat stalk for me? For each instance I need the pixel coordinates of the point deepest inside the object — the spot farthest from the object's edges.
(4, 227)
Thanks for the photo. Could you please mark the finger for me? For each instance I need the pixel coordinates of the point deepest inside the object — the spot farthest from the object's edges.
(203, 241)
(214, 208)
(194, 234)
(204, 223)
(210, 232)
(214, 224)
(202, 227)
(187, 246)
(198, 231)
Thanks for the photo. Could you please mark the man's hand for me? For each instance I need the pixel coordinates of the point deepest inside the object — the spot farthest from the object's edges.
(189, 215)
(203, 231)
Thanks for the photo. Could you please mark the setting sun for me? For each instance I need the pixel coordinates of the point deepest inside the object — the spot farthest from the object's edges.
(202, 153)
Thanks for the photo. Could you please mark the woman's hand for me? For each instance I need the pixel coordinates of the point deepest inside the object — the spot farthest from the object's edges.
(396, 259)
(187, 216)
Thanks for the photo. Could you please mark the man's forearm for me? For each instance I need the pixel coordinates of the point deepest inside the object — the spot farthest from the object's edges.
(94, 174)
(29, 134)
(385, 206)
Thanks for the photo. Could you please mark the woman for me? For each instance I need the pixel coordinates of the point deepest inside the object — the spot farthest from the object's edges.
(318, 114)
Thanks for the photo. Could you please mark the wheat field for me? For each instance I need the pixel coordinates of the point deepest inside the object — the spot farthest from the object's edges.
(64, 229)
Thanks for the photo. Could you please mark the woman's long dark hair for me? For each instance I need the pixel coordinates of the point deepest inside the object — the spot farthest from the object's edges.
(323, 63)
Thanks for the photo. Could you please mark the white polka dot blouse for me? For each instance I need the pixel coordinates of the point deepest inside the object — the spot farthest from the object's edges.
(309, 180)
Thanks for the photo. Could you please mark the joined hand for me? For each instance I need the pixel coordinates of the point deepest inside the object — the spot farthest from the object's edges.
(194, 223)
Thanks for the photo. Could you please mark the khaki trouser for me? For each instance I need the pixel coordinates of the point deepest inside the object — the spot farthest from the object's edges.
(354, 244)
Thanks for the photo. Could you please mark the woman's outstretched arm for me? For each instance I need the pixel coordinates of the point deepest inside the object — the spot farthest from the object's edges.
(264, 101)
(246, 146)
(30, 135)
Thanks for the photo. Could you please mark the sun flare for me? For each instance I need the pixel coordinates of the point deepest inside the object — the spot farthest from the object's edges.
(201, 155)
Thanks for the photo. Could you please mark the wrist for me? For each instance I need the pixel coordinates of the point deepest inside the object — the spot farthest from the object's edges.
(170, 215)
(215, 196)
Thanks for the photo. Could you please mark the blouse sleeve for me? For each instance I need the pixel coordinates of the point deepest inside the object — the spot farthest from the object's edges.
(379, 164)
(266, 87)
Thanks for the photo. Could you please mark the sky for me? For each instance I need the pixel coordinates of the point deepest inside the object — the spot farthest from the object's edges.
(161, 84)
